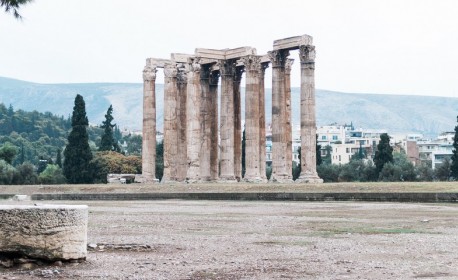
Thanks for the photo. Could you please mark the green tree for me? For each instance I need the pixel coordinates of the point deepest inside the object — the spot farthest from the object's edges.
(77, 154)
(159, 160)
(454, 165)
(13, 6)
(51, 175)
(327, 158)
(384, 153)
(108, 143)
(319, 160)
(59, 157)
(442, 172)
(8, 152)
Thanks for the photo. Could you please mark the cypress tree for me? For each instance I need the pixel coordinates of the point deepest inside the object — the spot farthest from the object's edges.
(319, 160)
(59, 157)
(77, 154)
(454, 166)
(384, 153)
(108, 143)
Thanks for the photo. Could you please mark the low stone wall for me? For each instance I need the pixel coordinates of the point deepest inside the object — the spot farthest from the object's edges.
(50, 232)
(276, 196)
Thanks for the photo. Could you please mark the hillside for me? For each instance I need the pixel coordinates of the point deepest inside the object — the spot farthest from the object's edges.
(395, 113)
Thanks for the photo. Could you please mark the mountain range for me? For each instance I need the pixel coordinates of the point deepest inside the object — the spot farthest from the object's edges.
(427, 115)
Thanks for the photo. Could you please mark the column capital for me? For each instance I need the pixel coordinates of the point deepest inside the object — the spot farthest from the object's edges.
(193, 65)
(307, 54)
(181, 76)
(170, 71)
(251, 62)
(288, 64)
(278, 57)
(264, 66)
(149, 73)
(227, 67)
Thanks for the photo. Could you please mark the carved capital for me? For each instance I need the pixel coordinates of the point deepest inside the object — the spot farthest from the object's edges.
(288, 65)
(181, 77)
(149, 73)
(307, 54)
(193, 65)
(278, 58)
(252, 63)
(170, 71)
(227, 67)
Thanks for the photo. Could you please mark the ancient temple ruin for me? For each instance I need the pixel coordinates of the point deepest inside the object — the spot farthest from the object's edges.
(199, 144)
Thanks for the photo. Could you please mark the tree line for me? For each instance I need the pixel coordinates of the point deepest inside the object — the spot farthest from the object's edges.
(34, 147)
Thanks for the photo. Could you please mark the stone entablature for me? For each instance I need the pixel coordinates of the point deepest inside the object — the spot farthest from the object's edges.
(201, 146)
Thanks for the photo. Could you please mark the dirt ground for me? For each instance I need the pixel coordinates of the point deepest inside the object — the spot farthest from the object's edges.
(263, 240)
(238, 187)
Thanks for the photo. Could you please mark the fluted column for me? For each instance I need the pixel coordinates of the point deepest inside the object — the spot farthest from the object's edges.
(252, 117)
(262, 123)
(193, 121)
(238, 124)
(149, 125)
(170, 123)
(279, 143)
(288, 128)
(227, 69)
(214, 76)
(308, 119)
(205, 123)
(181, 115)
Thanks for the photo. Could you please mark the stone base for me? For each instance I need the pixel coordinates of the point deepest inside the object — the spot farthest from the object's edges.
(145, 179)
(49, 232)
(254, 180)
(309, 179)
(227, 180)
(282, 180)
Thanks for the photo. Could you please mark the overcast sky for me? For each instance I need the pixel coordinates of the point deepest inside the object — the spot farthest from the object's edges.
(389, 46)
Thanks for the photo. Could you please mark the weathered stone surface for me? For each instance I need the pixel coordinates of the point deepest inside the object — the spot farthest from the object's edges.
(288, 124)
(214, 76)
(51, 232)
(308, 119)
(279, 143)
(170, 123)
(149, 125)
(227, 69)
(193, 120)
(181, 110)
(252, 118)
(238, 124)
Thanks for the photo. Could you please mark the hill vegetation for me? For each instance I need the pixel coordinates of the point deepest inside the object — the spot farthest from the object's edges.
(395, 113)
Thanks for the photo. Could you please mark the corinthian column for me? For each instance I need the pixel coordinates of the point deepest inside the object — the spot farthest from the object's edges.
(288, 128)
(262, 123)
(205, 124)
(214, 76)
(181, 115)
(252, 117)
(193, 121)
(227, 69)
(149, 125)
(170, 123)
(237, 124)
(308, 120)
(279, 142)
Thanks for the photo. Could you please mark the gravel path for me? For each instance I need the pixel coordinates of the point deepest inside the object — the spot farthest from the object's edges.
(263, 240)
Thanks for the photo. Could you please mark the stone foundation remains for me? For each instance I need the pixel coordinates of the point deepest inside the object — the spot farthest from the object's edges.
(48, 232)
